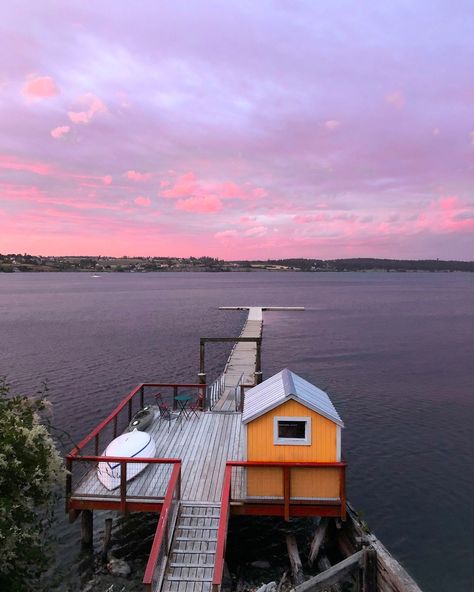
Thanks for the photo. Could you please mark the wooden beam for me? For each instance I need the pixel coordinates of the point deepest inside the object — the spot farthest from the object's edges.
(369, 574)
(332, 575)
(318, 539)
(295, 561)
(323, 565)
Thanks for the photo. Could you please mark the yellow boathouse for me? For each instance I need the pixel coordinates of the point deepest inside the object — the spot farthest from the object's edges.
(289, 420)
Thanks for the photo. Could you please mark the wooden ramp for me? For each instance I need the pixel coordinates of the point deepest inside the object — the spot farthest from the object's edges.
(240, 367)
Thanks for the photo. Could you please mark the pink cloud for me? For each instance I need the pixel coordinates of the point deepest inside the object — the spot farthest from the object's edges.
(395, 99)
(40, 87)
(136, 176)
(93, 106)
(256, 231)
(226, 234)
(107, 180)
(205, 205)
(188, 185)
(16, 164)
(60, 132)
(259, 192)
(332, 124)
(184, 186)
(142, 201)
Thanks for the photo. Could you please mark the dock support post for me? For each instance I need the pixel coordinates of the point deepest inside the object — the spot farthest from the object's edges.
(201, 356)
(258, 360)
(107, 538)
(87, 526)
(202, 395)
(369, 573)
(258, 377)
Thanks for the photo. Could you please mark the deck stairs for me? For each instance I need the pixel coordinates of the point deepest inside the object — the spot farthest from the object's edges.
(191, 557)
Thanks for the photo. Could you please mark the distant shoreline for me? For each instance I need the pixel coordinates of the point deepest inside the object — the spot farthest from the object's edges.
(12, 263)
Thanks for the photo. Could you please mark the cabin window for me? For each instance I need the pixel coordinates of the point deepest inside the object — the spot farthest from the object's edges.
(292, 430)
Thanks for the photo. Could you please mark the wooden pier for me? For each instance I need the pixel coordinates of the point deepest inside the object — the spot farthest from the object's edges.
(199, 474)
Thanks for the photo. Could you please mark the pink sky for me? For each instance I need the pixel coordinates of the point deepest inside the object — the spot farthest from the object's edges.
(237, 129)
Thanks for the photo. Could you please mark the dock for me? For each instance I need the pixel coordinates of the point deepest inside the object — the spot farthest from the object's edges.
(200, 474)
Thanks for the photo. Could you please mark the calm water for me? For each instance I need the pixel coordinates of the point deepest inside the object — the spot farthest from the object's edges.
(395, 352)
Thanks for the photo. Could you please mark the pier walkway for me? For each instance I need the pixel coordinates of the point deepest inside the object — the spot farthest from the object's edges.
(185, 481)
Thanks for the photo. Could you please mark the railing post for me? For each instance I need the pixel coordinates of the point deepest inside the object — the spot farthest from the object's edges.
(68, 482)
(142, 397)
(130, 410)
(201, 356)
(342, 492)
(242, 398)
(286, 491)
(202, 380)
(123, 487)
(258, 361)
(175, 394)
(96, 447)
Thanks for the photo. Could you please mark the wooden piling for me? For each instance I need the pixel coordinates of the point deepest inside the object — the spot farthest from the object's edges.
(87, 528)
(107, 538)
(295, 561)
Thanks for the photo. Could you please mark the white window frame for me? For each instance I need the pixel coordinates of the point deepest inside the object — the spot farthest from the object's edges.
(306, 441)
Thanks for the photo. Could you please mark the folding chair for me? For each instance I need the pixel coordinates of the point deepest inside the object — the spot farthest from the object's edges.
(196, 405)
(164, 408)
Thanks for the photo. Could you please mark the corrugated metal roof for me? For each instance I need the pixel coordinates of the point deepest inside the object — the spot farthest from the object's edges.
(284, 386)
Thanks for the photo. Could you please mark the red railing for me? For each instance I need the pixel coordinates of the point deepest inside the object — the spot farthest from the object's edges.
(286, 499)
(90, 448)
(127, 403)
(161, 543)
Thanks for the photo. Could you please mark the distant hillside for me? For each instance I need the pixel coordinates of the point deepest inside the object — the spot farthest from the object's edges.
(12, 262)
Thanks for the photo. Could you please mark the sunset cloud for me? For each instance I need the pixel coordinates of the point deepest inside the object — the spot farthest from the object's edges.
(332, 124)
(93, 106)
(40, 87)
(136, 176)
(204, 205)
(60, 132)
(142, 201)
(395, 99)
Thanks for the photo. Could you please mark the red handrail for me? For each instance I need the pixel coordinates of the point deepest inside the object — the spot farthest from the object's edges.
(226, 499)
(123, 403)
(222, 530)
(160, 538)
(272, 463)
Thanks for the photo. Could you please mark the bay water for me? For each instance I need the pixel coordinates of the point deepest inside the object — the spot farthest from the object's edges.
(394, 351)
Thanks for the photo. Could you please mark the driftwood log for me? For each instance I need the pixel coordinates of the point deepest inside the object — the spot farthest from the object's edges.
(333, 575)
(318, 539)
(295, 561)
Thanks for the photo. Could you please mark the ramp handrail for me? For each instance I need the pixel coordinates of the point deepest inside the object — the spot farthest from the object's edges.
(222, 530)
(164, 532)
(215, 390)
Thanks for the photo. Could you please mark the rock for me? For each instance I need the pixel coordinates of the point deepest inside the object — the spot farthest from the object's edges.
(261, 564)
(118, 567)
(271, 587)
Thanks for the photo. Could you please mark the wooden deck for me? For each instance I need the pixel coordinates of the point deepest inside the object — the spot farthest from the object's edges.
(203, 444)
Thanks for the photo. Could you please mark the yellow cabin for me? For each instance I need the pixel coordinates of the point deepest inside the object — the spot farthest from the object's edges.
(293, 429)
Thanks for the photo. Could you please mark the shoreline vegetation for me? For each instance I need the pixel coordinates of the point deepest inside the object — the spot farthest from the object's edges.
(15, 263)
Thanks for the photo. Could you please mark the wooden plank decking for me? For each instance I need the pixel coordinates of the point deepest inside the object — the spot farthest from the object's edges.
(203, 443)
(240, 367)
